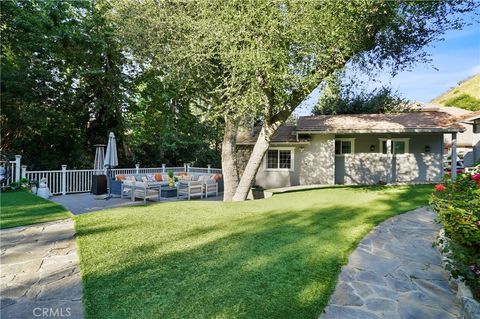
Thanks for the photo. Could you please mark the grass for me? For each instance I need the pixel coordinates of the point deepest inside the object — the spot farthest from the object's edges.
(272, 258)
(22, 208)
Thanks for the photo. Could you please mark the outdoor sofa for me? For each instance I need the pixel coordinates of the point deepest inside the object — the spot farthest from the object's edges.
(147, 185)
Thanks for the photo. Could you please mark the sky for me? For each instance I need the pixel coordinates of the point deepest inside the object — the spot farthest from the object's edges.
(456, 57)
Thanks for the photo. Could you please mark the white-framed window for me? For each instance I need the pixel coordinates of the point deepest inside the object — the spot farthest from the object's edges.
(344, 146)
(279, 158)
(398, 146)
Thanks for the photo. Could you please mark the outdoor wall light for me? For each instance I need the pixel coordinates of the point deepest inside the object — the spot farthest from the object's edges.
(301, 148)
(372, 148)
(427, 148)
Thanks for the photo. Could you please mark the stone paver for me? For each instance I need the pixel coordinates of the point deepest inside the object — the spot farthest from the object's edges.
(39, 272)
(87, 203)
(396, 273)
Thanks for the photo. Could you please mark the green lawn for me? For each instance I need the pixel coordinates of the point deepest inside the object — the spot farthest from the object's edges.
(23, 208)
(272, 258)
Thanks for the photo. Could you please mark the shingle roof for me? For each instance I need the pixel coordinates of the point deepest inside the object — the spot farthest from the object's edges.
(426, 121)
(379, 123)
(469, 116)
(284, 134)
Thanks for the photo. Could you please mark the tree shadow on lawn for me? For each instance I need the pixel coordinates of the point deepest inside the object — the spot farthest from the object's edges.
(281, 264)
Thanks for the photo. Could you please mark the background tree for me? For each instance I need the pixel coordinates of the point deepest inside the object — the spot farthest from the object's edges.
(165, 126)
(62, 85)
(341, 96)
(67, 81)
(263, 58)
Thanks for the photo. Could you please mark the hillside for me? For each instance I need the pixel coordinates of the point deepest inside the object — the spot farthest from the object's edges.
(465, 95)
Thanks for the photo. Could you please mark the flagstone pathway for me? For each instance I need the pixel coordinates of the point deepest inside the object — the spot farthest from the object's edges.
(39, 272)
(396, 273)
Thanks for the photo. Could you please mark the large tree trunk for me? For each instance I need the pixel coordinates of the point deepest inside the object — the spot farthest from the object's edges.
(229, 158)
(254, 162)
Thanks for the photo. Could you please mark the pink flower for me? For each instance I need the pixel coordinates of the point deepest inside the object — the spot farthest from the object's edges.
(476, 177)
(439, 187)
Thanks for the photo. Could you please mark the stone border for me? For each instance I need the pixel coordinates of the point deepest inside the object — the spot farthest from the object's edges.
(470, 306)
(40, 272)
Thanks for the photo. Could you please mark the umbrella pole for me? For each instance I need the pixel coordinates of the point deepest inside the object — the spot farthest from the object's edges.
(109, 195)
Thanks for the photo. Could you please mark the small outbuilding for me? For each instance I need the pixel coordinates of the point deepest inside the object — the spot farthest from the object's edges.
(354, 149)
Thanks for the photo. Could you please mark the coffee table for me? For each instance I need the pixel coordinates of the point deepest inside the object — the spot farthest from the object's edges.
(168, 192)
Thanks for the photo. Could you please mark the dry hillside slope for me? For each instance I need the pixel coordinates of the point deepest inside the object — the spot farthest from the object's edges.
(465, 95)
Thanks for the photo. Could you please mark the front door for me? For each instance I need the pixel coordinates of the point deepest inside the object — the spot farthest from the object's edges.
(339, 169)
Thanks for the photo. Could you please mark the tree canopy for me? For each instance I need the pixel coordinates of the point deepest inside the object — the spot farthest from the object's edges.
(342, 95)
(67, 81)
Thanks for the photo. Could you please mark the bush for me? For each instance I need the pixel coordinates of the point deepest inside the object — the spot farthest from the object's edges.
(458, 206)
(464, 101)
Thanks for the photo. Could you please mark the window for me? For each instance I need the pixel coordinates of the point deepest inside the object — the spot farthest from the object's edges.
(397, 145)
(344, 146)
(280, 159)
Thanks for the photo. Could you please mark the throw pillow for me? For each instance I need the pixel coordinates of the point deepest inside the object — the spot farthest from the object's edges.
(158, 177)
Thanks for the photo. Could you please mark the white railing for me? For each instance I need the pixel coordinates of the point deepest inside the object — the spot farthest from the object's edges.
(54, 179)
(80, 180)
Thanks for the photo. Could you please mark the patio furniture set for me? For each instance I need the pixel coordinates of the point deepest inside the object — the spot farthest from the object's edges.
(155, 186)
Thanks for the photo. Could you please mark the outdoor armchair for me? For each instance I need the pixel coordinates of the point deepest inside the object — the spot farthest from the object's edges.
(188, 189)
(210, 187)
(140, 190)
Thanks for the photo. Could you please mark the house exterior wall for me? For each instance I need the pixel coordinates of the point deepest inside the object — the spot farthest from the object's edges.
(371, 167)
(269, 178)
(365, 168)
(272, 178)
(313, 163)
(471, 157)
(316, 162)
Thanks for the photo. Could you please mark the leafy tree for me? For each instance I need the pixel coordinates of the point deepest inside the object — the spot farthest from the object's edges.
(67, 81)
(263, 58)
(62, 85)
(164, 126)
(340, 97)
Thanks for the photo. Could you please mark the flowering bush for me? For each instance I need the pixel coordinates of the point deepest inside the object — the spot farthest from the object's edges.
(458, 206)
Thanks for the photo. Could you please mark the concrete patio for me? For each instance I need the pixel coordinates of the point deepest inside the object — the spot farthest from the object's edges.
(86, 202)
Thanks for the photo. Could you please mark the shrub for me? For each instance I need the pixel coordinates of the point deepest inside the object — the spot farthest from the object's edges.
(458, 206)
(464, 101)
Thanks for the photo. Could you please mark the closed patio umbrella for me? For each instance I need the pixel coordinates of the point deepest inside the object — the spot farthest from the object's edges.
(111, 159)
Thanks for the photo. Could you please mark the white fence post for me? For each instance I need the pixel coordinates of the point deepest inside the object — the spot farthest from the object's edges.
(185, 167)
(164, 168)
(209, 168)
(24, 171)
(18, 159)
(137, 168)
(64, 179)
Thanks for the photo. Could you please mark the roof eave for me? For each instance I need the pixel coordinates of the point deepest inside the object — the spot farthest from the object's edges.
(274, 143)
(417, 130)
